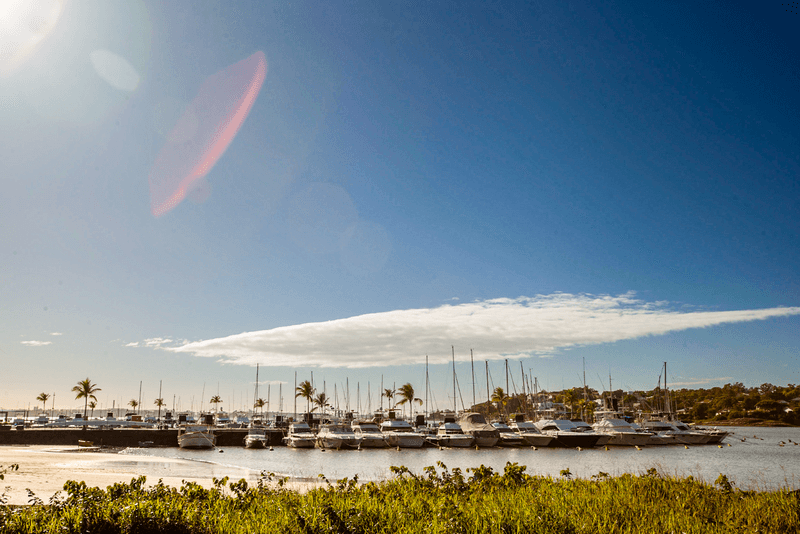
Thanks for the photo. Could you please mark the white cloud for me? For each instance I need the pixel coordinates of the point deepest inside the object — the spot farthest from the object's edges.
(155, 342)
(701, 381)
(36, 343)
(495, 329)
(56, 334)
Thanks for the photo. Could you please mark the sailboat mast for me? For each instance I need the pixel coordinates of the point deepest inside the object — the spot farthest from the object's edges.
(507, 390)
(255, 397)
(666, 393)
(455, 406)
(524, 388)
(472, 364)
(427, 386)
(488, 393)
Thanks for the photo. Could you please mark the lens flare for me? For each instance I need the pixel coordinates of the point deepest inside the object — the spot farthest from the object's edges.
(115, 70)
(23, 25)
(204, 131)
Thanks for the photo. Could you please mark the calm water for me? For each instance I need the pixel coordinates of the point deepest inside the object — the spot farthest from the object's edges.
(751, 464)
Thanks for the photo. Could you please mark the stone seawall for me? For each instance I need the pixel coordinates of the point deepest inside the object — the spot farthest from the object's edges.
(121, 437)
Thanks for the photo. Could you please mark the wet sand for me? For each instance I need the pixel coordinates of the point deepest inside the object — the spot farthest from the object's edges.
(44, 470)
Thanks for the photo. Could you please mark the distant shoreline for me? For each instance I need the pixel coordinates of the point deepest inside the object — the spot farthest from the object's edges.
(746, 422)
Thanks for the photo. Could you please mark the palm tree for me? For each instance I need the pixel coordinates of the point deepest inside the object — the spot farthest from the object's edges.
(215, 400)
(133, 403)
(43, 399)
(92, 405)
(260, 403)
(570, 397)
(159, 403)
(407, 396)
(588, 409)
(85, 390)
(321, 401)
(305, 390)
(389, 394)
(500, 397)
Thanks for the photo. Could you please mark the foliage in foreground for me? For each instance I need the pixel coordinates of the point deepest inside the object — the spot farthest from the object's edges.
(437, 501)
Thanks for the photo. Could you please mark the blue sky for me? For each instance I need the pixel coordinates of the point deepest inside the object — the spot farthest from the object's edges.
(546, 183)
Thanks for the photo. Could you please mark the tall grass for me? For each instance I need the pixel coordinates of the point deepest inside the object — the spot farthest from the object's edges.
(435, 501)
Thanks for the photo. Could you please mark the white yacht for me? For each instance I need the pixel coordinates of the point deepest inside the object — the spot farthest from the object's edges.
(369, 434)
(580, 425)
(621, 432)
(716, 434)
(671, 433)
(399, 433)
(475, 425)
(300, 436)
(256, 438)
(508, 438)
(223, 420)
(196, 437)
(532, 436)
(42, 420)
(450, 434)
(336, 436)
(241, 421)
(565, 434)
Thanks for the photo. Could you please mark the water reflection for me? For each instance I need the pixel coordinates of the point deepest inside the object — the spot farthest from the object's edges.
(750, 464)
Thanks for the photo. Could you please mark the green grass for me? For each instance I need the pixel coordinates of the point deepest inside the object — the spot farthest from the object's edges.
(435, 501)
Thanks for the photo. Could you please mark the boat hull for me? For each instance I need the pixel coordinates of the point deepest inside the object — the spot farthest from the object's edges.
(300, 443)
(628, 439)
(255, 443)
(537, 440)
(405, 440)
(511, 440)
(453, 441)
(337, 443)
(196, 440)
(571, 440)
(373, 442)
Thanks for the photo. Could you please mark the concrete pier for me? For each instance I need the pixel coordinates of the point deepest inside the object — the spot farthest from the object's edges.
(121, 437)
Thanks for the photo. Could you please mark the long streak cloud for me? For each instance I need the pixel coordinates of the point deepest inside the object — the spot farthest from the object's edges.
(495, 329)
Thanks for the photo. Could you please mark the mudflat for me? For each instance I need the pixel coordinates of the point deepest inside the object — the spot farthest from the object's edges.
(44, 470)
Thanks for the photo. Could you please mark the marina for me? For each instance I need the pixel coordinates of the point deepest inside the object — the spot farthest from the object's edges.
(755, 459)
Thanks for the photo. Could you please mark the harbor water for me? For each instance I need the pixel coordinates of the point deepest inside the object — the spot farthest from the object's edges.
(753, 458)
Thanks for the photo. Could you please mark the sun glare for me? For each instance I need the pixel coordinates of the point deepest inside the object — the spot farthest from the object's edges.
(23, 25)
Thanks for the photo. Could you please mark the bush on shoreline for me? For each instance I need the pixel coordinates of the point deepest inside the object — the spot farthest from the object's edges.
(437, 501)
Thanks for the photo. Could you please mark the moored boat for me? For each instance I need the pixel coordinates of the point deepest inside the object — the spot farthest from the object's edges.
(475, 425)
(579, 425)
(399, 433)
(256, 438)
(620, 432)
(336, 436)
(450, 434)
(670, 432)
(369, 434)
(716, 435)
(196, 437)
(532, 436)
(565, 435)
(300, 436)
(508, 438)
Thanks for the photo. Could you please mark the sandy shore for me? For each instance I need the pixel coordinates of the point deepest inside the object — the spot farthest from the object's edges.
(44, 470)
